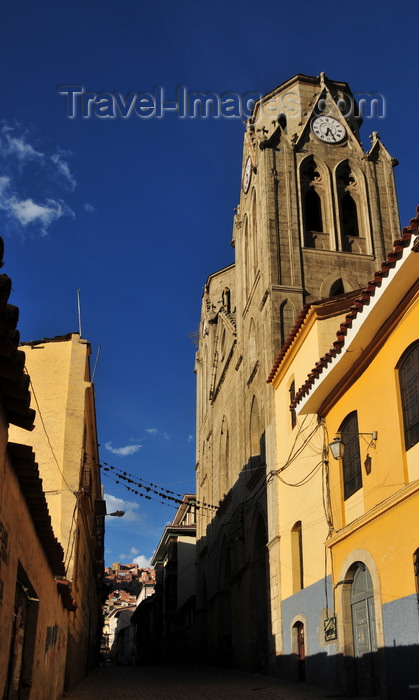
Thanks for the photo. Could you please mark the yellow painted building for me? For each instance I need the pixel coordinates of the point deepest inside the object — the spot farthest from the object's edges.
(349, 556)
(301, 589)
(65, 444)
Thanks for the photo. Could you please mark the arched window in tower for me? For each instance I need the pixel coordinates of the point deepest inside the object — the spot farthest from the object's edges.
(287, 316)
(312, 191)
(348, 197)
(313, 212)
(224, 458)
(251, 348)
(349, 216)
(257, 436)
(246, 255)
(282, 121)
(337, 288)
(226, 298)
(254, 234)
(205, 373)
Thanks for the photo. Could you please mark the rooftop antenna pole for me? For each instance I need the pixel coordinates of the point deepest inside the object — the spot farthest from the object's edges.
(79, 311)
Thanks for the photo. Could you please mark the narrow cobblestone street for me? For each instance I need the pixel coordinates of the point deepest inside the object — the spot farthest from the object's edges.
(189, 683)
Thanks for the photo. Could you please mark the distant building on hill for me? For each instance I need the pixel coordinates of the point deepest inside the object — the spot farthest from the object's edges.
(128, 586)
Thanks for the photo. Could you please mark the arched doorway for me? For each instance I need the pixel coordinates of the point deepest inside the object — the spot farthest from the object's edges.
(364, 631)
(298, 645)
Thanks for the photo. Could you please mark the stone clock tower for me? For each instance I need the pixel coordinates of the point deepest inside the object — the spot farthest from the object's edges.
(316, 213)
(316, 217)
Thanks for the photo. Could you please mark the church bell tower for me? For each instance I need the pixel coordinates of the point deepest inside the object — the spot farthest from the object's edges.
(317, 214)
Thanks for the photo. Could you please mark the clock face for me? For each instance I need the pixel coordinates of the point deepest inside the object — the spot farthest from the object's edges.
(247, 175)
(328, 129)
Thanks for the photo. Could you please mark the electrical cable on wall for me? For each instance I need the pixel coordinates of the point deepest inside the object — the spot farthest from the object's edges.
(47, 436)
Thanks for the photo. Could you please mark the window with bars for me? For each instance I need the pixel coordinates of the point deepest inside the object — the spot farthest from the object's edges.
(409, 389)
(351, 461)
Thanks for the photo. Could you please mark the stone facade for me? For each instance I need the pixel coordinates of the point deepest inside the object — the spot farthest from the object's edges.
(316, 216)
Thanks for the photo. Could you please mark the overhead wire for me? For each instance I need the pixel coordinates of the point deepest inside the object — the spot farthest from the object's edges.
(46, 434)
(138, 493)
(292, 456)
(305, 479)
(148, 487)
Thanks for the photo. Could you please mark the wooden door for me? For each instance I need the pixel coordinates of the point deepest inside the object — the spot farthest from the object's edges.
(363, 627)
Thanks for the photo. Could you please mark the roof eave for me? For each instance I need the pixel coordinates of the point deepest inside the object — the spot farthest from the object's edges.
(365, 327)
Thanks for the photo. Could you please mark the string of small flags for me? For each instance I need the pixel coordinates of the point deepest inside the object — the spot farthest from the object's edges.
(165, 494)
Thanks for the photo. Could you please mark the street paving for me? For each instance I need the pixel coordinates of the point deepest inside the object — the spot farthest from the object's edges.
(189, 683)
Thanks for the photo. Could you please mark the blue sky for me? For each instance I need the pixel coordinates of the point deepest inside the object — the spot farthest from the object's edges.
(137, 211)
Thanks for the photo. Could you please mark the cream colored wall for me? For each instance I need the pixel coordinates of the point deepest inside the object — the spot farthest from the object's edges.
(57, 371)
(186, 568)
(304, 502)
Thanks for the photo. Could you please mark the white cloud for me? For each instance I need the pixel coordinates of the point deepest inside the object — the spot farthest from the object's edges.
(16, 146)
(4, 184)
(89, 207)
(133, 557)
(131, 509)
(154, 431)
(124, 451)
(64, 170)
(29, 179)
(142, 561)
(26, 211)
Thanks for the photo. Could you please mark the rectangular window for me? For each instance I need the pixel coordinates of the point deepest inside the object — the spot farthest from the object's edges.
(409, 388)
(351, 462)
